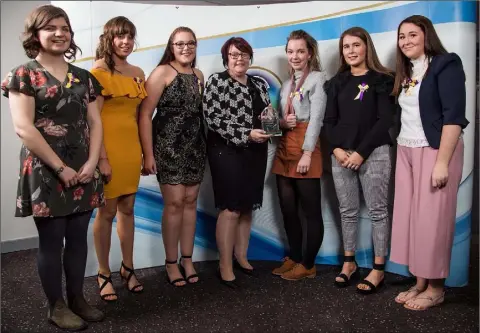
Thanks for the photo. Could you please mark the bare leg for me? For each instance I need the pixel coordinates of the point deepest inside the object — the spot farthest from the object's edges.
(433, 294)
(174, 200)
(227, 224)
(187, 236)
(375, 276)
(126, 232)
(419, 287)
(242, 239)
(102, 235)
(348, 267)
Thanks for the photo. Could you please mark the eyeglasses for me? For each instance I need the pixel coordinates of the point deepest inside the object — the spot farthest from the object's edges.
(235, 56)
(191, 44)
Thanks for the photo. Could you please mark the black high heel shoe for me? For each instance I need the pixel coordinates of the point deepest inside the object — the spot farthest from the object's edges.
(373, 288)
(106, 280)
(183, 272)
(126, 280)
(247, 271)
(230, 284)
(353, 277)
(171, 262)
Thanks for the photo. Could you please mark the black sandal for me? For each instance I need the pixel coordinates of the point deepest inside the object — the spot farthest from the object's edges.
(373, 288)
(347, 280)
(171, 262)
(106, 280)
(126, 280)
(182, 270)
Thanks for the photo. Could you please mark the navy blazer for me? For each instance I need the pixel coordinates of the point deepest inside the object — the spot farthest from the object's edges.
(442, 97)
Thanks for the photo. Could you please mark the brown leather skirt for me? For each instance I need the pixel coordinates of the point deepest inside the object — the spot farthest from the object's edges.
(289, 152)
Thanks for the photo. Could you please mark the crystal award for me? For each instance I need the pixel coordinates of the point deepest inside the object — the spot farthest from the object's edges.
(270, 121)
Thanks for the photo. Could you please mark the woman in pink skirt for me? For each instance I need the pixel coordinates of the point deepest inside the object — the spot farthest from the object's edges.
(430, 85)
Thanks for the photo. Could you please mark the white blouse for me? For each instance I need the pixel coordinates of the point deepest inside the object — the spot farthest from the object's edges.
(411, 132)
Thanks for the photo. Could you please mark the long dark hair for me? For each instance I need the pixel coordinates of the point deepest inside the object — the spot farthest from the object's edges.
(433, 47)
(116, 26)
(371, 58)
(168, 55)
(36, 21)
(312, 47)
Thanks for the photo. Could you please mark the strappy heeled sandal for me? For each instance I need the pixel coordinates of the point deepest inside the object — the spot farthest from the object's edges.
(183, 272)
(135, 289)
(347, 280)
(106, 280)
(373, 288)
(171, 262)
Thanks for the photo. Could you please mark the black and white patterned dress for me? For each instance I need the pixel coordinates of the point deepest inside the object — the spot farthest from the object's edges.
(237, 165)
(178, 132)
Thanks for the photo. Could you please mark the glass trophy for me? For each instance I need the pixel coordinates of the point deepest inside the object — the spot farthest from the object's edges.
(270, 121)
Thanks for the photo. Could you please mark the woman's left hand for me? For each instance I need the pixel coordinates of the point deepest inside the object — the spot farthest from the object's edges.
(85, 174)
(304, 164)
(440, 175)
(354, 161)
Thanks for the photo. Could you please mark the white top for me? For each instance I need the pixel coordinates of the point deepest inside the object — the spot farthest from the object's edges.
(411, 132)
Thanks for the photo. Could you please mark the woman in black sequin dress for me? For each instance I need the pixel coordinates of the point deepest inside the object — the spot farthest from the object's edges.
(173, 146)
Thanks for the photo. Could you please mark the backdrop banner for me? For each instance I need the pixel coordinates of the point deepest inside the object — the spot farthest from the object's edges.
(266, 28)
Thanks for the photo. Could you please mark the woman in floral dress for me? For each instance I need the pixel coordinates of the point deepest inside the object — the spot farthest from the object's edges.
(54, 113)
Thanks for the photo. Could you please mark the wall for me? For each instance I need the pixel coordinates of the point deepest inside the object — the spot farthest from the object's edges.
(16, 233)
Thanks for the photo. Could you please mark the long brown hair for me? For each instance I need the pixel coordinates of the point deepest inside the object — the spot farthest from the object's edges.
(371, 58)
(433, 47)
(168, 55)
(115, 27)
(312, 47)
(36, 21)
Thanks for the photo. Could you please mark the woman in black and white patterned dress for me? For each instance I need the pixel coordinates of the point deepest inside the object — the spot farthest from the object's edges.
(237, 153)
(173, 146)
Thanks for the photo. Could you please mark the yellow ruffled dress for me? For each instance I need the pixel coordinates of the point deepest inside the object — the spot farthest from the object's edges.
(122, 94)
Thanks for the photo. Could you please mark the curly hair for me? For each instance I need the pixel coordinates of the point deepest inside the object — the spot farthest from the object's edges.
(36, 21)
(115, 27)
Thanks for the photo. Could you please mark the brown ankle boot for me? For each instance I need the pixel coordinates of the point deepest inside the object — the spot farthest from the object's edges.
(299, 272)
(287, 265)
(80, 307)
(64, 318)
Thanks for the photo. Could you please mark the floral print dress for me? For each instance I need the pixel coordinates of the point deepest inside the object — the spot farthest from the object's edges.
(61, 118)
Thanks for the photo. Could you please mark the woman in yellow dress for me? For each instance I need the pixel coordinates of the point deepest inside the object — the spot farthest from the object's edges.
(121, 155)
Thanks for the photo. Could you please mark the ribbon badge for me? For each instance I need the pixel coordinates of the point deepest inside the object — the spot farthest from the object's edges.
(298, 93)
(409, 85)
(363, 87)
(71, 79)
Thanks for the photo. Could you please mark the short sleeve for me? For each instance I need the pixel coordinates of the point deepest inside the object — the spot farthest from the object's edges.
(94, 88)
(18, 79)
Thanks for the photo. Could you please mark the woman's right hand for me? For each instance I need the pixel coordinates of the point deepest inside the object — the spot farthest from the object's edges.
(259, 136)
(69, 177)
(341, 155)
(105, 170)
(149, 166)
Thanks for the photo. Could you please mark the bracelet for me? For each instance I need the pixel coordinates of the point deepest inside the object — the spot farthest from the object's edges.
(60, 170)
